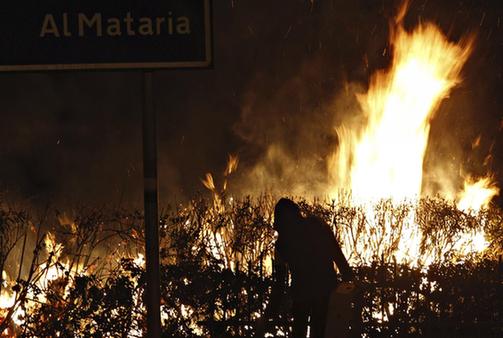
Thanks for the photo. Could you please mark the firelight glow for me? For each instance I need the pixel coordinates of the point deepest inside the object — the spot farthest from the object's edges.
(477, 194)
(383, 158)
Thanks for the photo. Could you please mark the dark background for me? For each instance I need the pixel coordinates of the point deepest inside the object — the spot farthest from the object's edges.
(75, 138)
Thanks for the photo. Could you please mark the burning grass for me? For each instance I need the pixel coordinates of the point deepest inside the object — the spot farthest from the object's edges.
(84, 275)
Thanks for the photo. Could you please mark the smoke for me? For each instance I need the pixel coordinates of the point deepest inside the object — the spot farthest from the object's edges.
(288, 133)
(285, 76)
(291, 123)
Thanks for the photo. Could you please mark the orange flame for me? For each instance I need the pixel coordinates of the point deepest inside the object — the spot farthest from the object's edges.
(208, 182)
(385, 158)
(477, 194)
(232, 165)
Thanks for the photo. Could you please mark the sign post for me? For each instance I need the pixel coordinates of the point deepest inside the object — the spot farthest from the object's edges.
(152, 291)
(103, 35)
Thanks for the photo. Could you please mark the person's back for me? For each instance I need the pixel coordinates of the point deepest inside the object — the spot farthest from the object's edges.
(308, 251)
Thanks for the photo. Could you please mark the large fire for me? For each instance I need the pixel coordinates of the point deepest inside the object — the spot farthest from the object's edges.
(383, 159)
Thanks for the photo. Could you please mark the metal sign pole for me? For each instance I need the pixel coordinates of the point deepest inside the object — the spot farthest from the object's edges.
(152, 288)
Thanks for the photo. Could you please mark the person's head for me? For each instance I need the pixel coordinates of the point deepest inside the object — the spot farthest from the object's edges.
(286, 213)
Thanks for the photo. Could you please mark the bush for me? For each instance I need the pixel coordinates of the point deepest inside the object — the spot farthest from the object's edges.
(217, 270)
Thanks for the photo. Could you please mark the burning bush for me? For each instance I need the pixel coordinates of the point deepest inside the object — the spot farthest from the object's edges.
(84, 276)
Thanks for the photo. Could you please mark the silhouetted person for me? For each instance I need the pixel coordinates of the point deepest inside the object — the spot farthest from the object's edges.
(308, 247)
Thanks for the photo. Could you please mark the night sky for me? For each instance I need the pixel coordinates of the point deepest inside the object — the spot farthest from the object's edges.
(279, 66)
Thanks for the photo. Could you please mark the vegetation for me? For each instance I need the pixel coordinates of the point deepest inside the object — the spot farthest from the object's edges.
(217, 270)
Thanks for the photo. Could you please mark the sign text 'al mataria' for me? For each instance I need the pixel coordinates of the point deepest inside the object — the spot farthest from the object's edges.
(62, 35)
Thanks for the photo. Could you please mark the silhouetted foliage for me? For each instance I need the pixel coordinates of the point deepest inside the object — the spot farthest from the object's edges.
(217, 271)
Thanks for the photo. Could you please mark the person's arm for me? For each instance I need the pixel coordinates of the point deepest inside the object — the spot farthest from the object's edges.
(339, 259)
(342, 263)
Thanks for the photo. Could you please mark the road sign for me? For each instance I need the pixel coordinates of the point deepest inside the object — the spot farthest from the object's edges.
(50, 35)
(104, 34)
